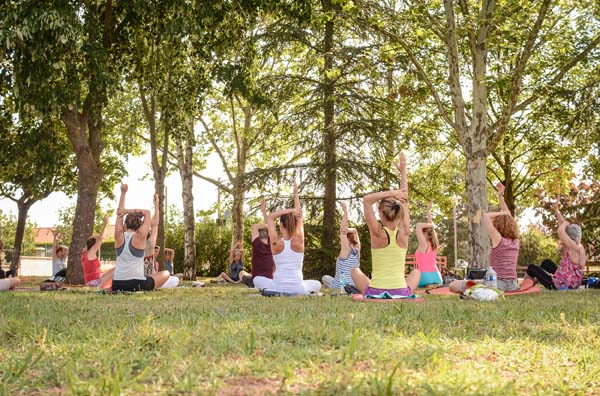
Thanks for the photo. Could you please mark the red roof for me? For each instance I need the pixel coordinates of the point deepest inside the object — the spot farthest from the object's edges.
(43, 235)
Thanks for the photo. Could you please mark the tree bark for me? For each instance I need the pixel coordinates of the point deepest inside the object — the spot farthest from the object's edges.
(476, 183)
(159, 167)
(186, 172)
(85, 136)
(329, 139)
(23, 204)
(239, 183)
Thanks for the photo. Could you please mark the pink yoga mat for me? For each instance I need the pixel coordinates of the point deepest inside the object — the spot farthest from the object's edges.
(360, 297)
(444, 291)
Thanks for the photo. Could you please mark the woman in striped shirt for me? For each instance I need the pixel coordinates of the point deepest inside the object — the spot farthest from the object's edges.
(349, 257)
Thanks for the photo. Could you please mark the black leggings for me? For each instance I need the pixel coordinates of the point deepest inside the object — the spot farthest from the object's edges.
(543, 273)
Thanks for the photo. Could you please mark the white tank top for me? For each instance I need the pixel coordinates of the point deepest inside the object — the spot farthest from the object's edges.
(130, 261)
(288, 266)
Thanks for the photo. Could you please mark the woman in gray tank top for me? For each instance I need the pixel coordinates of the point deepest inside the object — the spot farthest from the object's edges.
(130, 240)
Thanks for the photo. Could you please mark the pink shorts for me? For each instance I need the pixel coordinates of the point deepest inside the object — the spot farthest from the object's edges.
(404, 291)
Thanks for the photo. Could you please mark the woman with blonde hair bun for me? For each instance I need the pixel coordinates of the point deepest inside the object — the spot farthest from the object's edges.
(389, 242)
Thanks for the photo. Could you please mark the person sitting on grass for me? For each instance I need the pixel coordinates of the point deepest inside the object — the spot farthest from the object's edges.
(288, 253)
(236, 266)
(169, 256)
(426, 253)
(389, 242)
(9, 284)
(150, 249)
(59, 260)
(92, 274)
(262, 258)
(173, 280)
(503, 231)
(130, 240)
(570, 272)
(349, 257)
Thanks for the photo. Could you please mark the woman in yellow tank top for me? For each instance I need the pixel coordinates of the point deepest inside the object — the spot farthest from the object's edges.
(389, 241)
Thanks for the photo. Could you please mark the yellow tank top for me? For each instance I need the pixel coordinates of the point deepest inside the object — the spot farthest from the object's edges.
(388, 264)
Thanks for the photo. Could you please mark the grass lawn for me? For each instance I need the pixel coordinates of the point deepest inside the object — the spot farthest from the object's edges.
(226, 340)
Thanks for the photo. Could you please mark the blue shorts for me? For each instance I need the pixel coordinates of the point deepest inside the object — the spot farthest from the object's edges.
(430, 278)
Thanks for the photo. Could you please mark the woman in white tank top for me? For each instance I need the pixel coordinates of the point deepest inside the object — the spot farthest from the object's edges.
(130, 240)
(288, 252)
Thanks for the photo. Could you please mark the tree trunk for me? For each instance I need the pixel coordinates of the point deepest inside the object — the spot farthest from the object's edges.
(509, 193)
(86, 140)
(239, 183)
(476, 206)
(329, 140)
(186, 172)
(23, 204)
(159, 168)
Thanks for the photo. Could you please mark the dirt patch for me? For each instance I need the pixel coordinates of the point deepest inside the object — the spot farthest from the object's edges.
(249, 386)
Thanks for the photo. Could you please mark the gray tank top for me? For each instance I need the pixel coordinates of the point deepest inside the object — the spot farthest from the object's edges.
(130, 261)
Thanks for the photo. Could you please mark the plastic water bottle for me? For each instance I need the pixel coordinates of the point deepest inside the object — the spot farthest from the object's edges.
(343, 282)
(491, 279)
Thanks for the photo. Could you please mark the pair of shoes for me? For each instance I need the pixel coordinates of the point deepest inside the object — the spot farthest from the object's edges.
(247, 280)
(197, 284)
(350, 289)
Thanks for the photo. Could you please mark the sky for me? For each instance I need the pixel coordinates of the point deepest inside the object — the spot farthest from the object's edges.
(140, 194)
(141, 190)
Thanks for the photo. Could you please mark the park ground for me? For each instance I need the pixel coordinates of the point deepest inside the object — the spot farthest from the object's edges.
(227, 340)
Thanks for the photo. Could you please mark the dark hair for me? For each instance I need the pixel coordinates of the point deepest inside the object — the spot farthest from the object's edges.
(263, 233)
(352, 238)
(391, 209)
(133, 221)
(290, 223)
(91, 241)
(59, 249)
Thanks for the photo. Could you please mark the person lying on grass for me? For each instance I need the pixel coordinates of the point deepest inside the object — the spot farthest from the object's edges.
(426, 253)
(236, 264)
(262, 258)
(503, 231)
(92, 274)
(130, 240)
(9, 283)
(389, 241)
(349, 257)
(288, 253)
(570, 272)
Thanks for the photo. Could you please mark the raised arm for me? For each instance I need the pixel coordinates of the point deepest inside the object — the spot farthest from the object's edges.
(559, 215)
(155, 221)
(99, 239)
(401, 166)
(345, 245)
(119, 238)
(423, 243)
(270, 221)
(488, 222)
(298, 209)
(503, 207)
(256, 230)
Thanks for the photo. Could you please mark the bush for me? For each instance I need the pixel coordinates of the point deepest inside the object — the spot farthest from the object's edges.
(536, 246)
